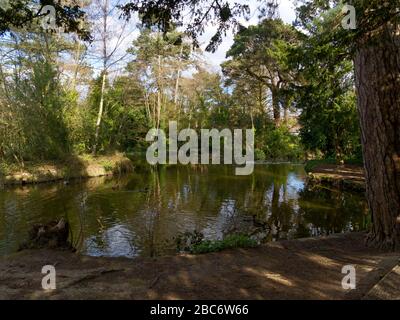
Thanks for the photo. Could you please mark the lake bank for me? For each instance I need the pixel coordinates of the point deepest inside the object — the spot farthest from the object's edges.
(347, 176)
(74, 167)
(295, 269)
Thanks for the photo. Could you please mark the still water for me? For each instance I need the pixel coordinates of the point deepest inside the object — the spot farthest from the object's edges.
(140, 214)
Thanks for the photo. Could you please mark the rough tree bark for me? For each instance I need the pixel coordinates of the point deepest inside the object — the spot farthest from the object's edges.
(276, 108)
(377, 68)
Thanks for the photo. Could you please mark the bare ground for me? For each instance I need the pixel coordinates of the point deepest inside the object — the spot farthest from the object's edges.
(297, 269)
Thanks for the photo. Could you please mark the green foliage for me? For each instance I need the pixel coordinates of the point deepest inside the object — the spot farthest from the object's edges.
(22, 13)
(165, 15)
(80, 125)
(280, 144)
(37, 101)
(259, 70)
(124, 124)
(49, 119)
(108, 166)
(3, 169)
(186, 240)
(259, 154)
(195, 243)
(330, 124)
(329, 118)
(229, 242)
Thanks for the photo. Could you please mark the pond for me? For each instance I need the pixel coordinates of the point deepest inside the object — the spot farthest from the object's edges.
(141, 214)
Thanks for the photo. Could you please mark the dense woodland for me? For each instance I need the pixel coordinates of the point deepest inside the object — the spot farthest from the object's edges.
(304, 88)
(62, 95)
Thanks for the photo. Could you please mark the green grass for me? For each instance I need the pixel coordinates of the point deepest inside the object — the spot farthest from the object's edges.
(232, 241)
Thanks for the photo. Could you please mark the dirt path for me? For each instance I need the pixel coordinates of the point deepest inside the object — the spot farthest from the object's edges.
(298, 269)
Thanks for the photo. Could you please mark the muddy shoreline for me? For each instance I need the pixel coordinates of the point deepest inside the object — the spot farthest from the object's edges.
(296, 269)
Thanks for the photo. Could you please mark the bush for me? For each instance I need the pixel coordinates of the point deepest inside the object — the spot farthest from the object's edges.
(259, 154)
(3, 169)
(280, 144)
(199, 245)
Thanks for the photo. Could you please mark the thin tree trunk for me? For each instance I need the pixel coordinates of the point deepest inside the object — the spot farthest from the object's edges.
(286, 111)
(77, 59)
(251, 118)
(100, 114)
(178, 75)
(159, 92)
(377, 68)
(147, 104)
(104, 37)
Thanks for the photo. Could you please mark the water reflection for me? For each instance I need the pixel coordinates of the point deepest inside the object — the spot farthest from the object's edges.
(142, 213)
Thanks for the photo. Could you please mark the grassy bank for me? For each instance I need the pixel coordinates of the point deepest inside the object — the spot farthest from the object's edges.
(83, 166)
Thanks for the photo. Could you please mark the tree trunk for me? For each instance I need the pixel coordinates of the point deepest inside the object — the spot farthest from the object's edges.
(105, 57)
(178, 75)
(286, 115)
(158, 91)
(377, 68)
(100, 114)
(77, 65)
(276, 109)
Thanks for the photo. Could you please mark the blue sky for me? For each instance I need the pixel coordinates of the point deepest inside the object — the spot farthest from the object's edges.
(129, 32)
(286, 13)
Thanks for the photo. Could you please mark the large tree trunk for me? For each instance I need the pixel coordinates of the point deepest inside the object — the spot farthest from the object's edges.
(377, 68)
(276, 108)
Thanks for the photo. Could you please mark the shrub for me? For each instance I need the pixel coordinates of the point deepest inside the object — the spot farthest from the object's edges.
(198, 245)
(259, 154)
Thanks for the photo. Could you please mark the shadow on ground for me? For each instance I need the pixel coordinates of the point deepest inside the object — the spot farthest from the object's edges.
(297, 269)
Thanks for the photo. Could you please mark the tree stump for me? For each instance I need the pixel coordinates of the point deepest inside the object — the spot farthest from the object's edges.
(52, 235)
